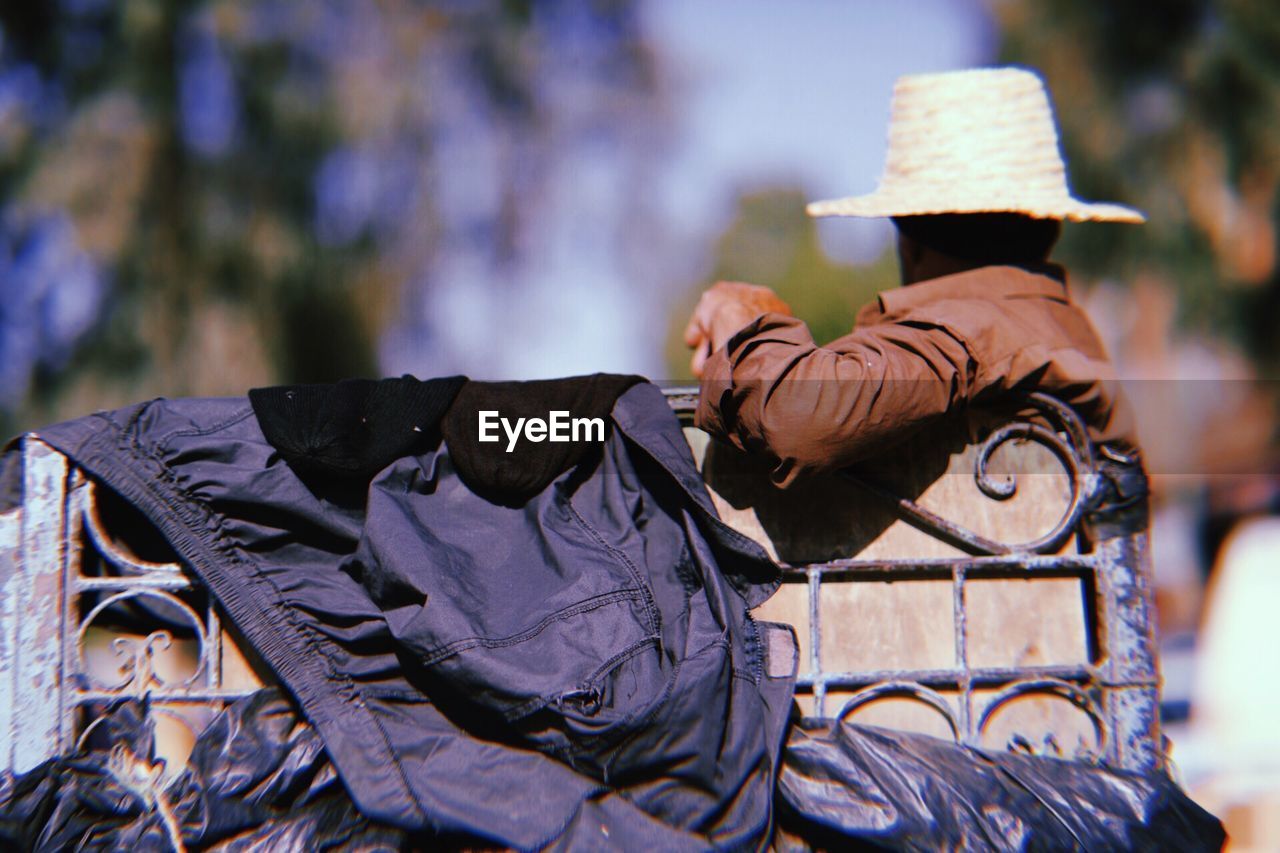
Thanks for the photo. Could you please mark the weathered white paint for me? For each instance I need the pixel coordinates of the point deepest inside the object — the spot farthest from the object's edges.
(10, 548)
(39, 602)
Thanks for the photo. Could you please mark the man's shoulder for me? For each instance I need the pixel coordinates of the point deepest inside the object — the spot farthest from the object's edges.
(990, 284)
(995, 312)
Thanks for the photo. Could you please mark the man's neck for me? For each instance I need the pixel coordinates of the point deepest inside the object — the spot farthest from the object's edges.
(940, 266)
(936, 265)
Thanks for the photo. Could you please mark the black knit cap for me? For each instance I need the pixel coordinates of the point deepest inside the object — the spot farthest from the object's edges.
(352, 429)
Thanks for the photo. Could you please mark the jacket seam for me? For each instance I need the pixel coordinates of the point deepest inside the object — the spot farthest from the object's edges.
(436, 655)
(636, 727)
(620, 657)
(754, 648)
(668, 688)
(230, 420)
(651, 609)
(235, 593)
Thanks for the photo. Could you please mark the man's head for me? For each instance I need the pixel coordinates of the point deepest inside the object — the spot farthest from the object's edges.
(941, 244)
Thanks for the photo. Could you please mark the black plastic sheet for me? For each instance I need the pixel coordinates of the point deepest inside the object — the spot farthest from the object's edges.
(844, 786)
(259, 779)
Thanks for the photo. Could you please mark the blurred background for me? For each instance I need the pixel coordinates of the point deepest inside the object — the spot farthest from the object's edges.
(201, 197)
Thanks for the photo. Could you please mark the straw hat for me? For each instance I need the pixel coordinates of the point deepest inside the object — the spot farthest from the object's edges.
(979, 141)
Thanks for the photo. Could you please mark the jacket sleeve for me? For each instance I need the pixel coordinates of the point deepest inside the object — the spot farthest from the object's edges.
(813, 408)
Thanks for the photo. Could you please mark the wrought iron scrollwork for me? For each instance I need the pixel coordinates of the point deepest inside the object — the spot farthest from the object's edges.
(184, 688)
(138, 654)
(1068, 441)
(1115, 689)
(1065, 436)
(905, 689)
(1073, 693)
(104, 542)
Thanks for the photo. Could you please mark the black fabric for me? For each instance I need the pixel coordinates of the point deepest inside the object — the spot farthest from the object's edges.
(257, 779)
(844, 786)
(355, 428)
(515, 475)
(76, 797)
(1121, 503)
(579, 671)
(350, 430)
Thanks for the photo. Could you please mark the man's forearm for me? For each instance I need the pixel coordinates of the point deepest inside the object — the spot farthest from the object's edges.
(772, 390)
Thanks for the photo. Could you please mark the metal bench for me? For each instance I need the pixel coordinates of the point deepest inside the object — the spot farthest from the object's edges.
(70, 559)
(988, 582)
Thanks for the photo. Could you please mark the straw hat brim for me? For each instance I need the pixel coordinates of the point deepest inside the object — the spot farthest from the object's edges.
(883, 203)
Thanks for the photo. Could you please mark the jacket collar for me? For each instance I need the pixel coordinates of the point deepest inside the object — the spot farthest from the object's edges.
(995, 282)
(643, 417)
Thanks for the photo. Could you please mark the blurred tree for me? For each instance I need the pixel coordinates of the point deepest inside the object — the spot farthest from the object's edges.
(196, 197)
(772, 242)
(1172, 109)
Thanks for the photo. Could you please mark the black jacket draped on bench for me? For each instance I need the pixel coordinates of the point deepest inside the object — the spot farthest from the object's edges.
(579, 668)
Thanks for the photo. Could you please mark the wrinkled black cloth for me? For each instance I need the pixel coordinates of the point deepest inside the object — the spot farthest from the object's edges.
(515, 475)
(844, 786)
(352, 429)
(76, 799)
(258, 778)
(580, 671)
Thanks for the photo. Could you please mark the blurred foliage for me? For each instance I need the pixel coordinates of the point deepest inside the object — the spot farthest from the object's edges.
(197, 197)
(1172, 108)
(772, 242)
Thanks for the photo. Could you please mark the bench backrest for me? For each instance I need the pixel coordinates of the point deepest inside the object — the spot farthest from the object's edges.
(983, 591)
(987, 582)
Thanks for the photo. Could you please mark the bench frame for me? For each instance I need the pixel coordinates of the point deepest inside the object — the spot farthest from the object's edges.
(1118, 689)
(48, 696)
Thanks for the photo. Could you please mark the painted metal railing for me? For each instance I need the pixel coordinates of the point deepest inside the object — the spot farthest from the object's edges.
(62, 571)
(1117, 688)
(63, 574)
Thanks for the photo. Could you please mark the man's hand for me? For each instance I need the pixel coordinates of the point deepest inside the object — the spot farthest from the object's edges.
(724, 309)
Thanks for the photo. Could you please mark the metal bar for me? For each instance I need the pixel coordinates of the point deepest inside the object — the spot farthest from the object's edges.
(39, 606)
(962, 656)
(928, 521)
(1129, 661)
(815, 640)
(906, 689)
(213, 648)
(981, 677)
(101, 540)
(113, 584)
(202, 694)
(72, 562)
(10, 577)
(1015, 562)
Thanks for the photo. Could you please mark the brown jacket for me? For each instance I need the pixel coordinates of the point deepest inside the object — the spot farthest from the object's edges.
(921, 352)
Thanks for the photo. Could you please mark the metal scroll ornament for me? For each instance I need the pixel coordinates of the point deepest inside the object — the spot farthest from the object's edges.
(137, 655)
(1067, 440)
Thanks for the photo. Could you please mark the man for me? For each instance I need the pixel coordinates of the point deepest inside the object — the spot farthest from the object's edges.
(976, 186)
